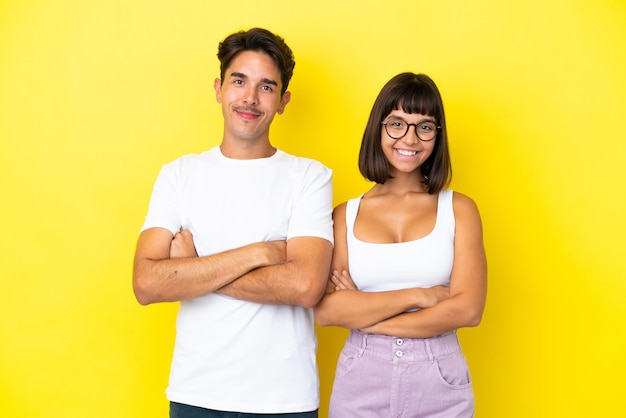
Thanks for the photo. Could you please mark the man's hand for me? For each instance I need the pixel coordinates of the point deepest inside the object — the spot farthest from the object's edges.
(182, 245)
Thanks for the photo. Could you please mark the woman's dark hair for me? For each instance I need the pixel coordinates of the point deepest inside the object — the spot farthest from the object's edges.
(260, 40)
(411, 93)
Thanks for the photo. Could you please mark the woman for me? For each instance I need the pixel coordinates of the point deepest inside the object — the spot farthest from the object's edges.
(409, 267)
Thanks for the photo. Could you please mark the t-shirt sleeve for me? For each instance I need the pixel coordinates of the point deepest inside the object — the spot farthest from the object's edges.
(312, 211)
(163, 210)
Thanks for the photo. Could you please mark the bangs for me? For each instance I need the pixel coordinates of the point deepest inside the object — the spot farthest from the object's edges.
(418, 98)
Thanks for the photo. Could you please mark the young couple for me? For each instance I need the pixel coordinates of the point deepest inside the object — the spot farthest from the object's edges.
(242, 235)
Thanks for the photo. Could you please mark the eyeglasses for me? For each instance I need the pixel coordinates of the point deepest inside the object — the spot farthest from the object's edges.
(397, 129)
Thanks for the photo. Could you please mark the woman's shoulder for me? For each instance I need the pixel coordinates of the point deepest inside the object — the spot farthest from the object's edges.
(339, 213)
(464, 206)
(340, 210)
(461, 198)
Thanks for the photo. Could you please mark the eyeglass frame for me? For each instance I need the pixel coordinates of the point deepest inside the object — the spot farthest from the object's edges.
(408, 126)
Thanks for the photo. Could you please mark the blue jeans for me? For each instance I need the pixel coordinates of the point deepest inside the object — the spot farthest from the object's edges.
(179, 410)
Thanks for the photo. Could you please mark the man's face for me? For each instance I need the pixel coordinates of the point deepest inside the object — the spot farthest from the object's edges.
(250, 96)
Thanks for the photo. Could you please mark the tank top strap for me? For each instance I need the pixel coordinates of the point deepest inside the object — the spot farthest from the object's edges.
(445, 211)
(352, 208)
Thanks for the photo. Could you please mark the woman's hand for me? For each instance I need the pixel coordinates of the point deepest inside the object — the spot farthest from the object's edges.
(342, 281)
(434, 295)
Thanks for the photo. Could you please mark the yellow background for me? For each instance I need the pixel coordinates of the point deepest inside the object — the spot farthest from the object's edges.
(96, 95)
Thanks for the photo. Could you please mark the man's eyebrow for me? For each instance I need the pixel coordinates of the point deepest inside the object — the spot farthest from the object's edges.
(263, 80)
(268, 81)
(238, 75)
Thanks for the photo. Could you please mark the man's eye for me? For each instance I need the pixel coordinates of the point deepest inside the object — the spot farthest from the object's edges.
(267, 88)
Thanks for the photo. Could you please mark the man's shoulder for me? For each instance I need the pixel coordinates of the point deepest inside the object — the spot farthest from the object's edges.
(193, 158)
(303, 162)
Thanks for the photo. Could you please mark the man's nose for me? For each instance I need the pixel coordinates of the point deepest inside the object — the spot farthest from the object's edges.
(250, 96)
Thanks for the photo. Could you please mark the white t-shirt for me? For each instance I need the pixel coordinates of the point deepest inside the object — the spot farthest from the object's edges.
(234, 355)
(425, 262)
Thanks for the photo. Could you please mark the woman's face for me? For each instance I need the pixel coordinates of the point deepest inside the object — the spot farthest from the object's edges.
(406, 153)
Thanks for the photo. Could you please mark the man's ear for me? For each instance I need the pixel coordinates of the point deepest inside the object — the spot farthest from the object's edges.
(217, 85)
(283, 102)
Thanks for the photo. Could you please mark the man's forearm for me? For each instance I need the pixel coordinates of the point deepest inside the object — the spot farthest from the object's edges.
(279, 284)
(158, 278)
(301, 280)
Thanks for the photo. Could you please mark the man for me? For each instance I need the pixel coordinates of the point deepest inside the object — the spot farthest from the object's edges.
(241, 235)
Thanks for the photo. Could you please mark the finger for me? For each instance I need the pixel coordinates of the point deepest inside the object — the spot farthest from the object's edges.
(345, 279)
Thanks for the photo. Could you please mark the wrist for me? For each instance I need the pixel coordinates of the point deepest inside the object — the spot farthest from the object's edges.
(257, 255)
(421, 298)
(413, 298)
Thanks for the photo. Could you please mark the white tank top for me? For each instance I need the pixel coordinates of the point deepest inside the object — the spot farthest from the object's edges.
(425, 262)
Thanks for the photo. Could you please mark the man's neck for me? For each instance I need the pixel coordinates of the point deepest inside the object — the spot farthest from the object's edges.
(247, 151)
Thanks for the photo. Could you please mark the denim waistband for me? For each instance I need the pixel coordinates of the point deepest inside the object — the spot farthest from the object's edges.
(404, 349)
